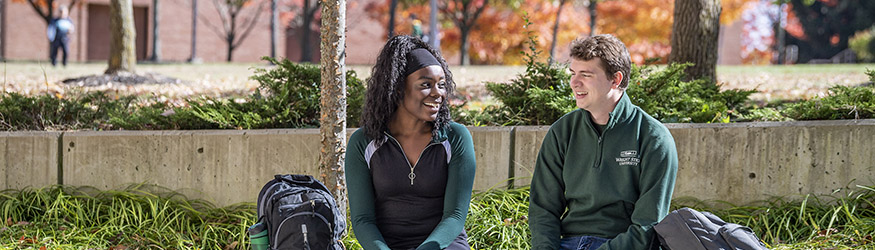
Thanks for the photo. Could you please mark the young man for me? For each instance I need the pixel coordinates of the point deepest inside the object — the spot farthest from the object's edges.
(605, 173)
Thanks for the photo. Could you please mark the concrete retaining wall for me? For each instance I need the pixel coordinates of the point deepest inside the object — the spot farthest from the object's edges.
(739, 163)
(28, 159)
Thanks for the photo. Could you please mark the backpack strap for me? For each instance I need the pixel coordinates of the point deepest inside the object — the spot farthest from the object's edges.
(303, 180)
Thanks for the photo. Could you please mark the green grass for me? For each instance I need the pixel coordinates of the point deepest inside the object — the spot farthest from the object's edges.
(150, 217)
(141, 216)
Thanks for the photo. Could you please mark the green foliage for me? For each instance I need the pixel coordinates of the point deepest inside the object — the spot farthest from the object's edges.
(842, 102)
(542, 95)
(862, 45)
(498, 219)
(291, 101)
(49, 112)
(665, 96)
(539, 96)
(845, 221)
(144, 217)
(765, 114)
(150, 217)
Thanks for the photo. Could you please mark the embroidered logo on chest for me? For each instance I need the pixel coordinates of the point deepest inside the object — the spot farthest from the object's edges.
(628, 158)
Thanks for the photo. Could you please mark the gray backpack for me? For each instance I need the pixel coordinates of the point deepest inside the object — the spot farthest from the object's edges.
(686, 228)
(299, 212)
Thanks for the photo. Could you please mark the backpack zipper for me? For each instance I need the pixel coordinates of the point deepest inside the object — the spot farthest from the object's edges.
(277, 233)
(304, 230)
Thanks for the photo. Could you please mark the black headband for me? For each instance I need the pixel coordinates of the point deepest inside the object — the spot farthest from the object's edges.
(417, 59)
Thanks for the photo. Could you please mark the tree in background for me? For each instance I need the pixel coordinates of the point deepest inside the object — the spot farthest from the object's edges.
(122, 48)
(644, 25)
(390, 27)
(463, 14)
(592, 7)
(694, 37)
(46, 9)
(300, 15)
(556, 30)
(274, 22)
(194, 13)
(386, 11)
(233, 30)
(507, 48)
(826, 25)
(156, 41)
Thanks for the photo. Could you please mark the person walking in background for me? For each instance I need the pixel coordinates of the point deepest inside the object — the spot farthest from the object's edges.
(59, 32)
(409, 168)
(417, 28)
(605, 173)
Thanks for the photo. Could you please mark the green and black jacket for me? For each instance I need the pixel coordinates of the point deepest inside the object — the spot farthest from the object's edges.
(387, 211)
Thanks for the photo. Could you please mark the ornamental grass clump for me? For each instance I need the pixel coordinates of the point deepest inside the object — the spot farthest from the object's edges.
(141, 216)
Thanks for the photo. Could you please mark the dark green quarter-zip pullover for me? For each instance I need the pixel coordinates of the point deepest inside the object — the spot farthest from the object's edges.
(616, 185)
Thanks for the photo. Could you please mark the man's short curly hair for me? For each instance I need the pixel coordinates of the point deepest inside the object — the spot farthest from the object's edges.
(611, 52)
(386, 87)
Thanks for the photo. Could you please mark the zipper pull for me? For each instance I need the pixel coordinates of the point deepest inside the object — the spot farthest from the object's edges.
(304, 230)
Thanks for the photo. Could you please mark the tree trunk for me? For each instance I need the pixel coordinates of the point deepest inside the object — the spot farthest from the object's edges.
(694, 37)
(230, 50)
(779, 38)
(433, 39)
(232, 31)
(273, 28)
(3, 36)
(464, 59)
(333, 100)
(306, 51)
(390, 29)
(156, 42)
(193, 58)
(593, 13)
(555, 32)
(122, 48)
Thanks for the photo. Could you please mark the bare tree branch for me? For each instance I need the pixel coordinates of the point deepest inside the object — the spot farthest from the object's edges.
(212, 27)
(473, 19)
(222, 9)
(46, 17)
(250, 25)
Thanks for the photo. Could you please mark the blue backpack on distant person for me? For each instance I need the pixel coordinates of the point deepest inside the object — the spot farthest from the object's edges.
(686, 228)
(298, 212)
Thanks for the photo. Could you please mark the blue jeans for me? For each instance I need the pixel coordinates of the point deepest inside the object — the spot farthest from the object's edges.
(581, 243)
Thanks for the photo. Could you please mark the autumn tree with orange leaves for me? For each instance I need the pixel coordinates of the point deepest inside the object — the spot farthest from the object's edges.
(485, 47)
(644, 25)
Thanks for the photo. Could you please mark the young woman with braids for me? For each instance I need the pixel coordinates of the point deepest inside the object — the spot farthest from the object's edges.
(409, 168)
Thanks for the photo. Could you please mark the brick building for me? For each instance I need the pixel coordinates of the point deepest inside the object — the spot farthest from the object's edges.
(23, 33)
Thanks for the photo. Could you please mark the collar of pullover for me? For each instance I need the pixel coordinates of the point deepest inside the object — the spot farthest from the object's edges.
(621, 112)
